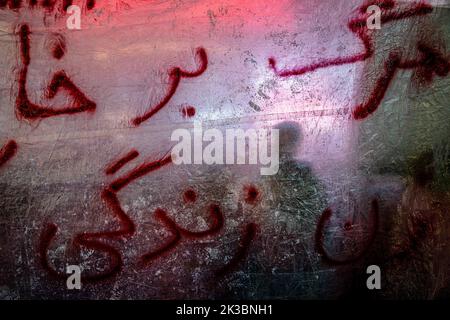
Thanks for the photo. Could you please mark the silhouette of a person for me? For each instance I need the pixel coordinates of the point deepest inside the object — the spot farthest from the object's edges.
(297, 199)
(297, 192)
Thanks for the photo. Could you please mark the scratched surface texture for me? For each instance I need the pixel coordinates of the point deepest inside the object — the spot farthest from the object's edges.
(364, 120)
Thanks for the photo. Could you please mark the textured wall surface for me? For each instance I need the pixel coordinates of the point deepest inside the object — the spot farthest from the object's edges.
(364, 178)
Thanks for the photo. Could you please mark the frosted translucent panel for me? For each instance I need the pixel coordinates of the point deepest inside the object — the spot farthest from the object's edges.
(86, 118)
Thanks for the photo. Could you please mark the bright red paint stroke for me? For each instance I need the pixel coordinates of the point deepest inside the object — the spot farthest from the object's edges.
(48, 5)
(179, 232)
(431, 60)
(188, 111)
(248, 234)
(94, 240)
(217, 225)
(127, 227)
(357, 26)
(175, 76)
(118, 164)
(109, 196)
(319, 237)
(139, 172)
(8, 151)
(28, 110)
(48, 235)
(252, 194)
(162, 216)
(189, 196)
(429, 63)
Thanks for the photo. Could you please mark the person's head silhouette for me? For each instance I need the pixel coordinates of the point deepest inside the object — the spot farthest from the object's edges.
(290, 137)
